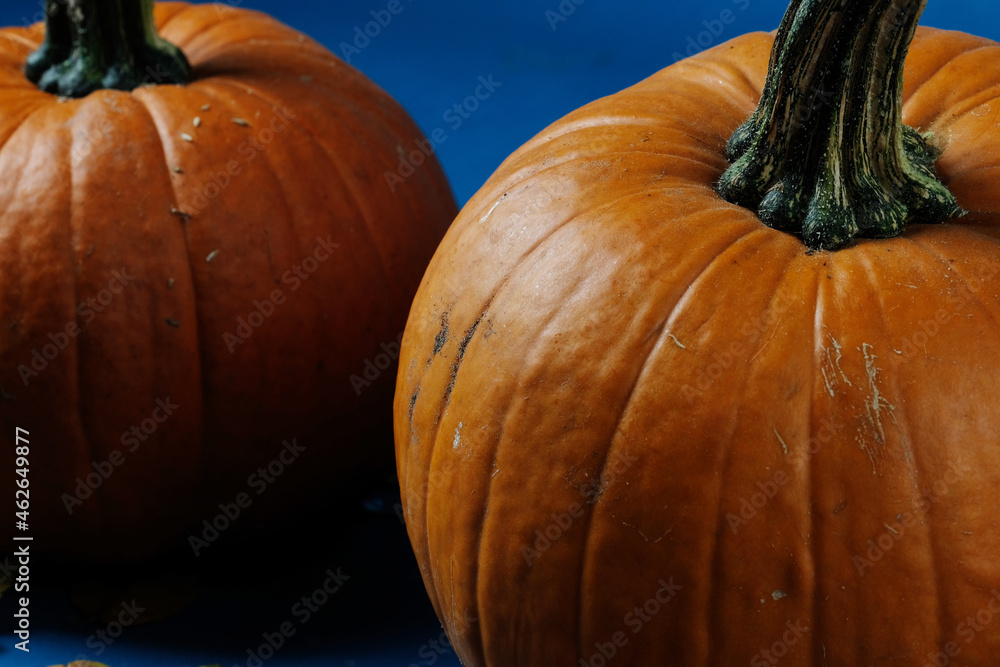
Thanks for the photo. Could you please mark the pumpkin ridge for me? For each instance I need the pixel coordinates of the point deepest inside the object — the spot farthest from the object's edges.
(480, 532)
(735, 77)
(290, 217)
(17, 36)
(946, 119)
(957, 110)
(228, 103)
(350, 182)
(5, 141)
(175, 9)
(580, 126)
(818, 651)
(507, 400)
(900, 421)
(932, 35)
(143, 104)
(643, 367)
(723, 458)
(715, 567)
(519, 262)
(184, 41)
(509, 183)
(598, 491)
(99, 507)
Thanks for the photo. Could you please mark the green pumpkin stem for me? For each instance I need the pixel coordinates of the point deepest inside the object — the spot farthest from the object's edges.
(826, 154)
(94, 44)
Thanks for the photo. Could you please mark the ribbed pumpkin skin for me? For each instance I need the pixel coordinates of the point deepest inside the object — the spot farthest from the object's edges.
(613, 325)
(87, 187)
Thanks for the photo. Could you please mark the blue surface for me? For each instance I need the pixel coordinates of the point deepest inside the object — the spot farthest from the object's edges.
(430, 57)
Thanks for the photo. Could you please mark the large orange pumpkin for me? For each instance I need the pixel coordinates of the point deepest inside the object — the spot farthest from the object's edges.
(636, 426)
(193, 275)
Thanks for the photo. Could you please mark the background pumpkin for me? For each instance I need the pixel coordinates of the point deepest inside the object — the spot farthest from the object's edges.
(207, 198)
(634, 422)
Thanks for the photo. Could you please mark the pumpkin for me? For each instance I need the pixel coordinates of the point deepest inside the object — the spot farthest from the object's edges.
(639, 424)
(205, 271)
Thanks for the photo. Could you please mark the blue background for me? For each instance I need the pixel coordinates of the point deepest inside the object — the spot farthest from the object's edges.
(429, 57)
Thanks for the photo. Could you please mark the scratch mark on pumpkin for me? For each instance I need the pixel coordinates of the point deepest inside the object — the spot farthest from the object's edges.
(876, 402)
(784, 447)
(831, 367)
(493, 208)
(674, 338)
(636, 530)
(458, 437)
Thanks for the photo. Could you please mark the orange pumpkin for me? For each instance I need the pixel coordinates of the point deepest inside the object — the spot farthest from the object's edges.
(637, 426)
(193, 274)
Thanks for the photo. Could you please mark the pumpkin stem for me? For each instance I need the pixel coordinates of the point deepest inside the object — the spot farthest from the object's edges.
(826, 154)
(95, 44)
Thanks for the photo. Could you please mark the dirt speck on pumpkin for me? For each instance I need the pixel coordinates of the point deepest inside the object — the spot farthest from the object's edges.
(187, 137)
(174, 323)
(212, 255)
(778, 594)
(241, 122)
